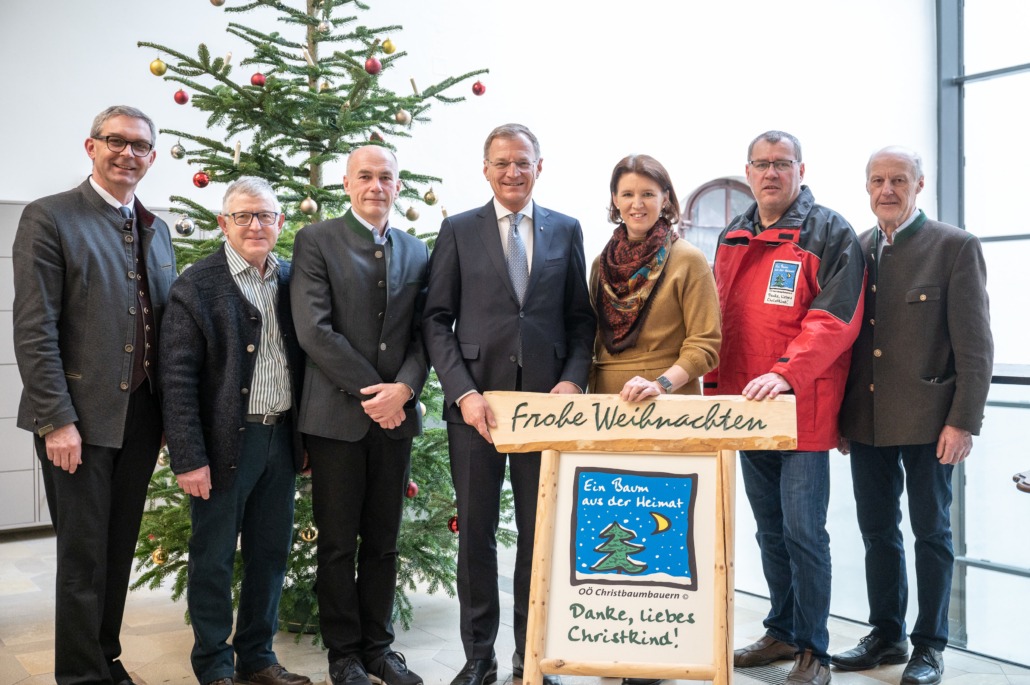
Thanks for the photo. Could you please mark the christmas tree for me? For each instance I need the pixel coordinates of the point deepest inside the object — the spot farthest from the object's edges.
(618, 548)
(314, 95)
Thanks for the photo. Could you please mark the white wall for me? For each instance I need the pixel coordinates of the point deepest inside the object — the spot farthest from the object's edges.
(688, 82)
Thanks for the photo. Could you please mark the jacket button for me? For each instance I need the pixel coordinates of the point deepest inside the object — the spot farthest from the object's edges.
(873, 288)
(382, 346)
(123, 385)
(922, 298)
(380, 316)
(382, 284)
(242, 428)
(871, 387)
(132, 310)
(128, 238)
(244, 391)
(128, 348)
(872, 322)
(877, 353)
(379, 254)
(513, 358)
(250, 348)
(522, 315)
(132, 275)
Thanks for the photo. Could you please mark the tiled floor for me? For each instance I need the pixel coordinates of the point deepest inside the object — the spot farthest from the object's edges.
(156, 642)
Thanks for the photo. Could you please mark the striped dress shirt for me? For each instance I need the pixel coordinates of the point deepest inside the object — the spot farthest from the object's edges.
(270, 386)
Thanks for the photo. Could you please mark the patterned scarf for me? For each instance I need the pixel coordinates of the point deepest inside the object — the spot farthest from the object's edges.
(629, 271)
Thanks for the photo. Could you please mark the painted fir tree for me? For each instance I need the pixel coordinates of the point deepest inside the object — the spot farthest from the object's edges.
(617, 549)
(310, 94)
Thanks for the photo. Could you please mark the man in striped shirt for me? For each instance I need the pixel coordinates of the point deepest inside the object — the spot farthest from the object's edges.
(231, 373)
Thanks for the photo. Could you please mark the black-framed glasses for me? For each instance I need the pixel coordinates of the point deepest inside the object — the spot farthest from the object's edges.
(780, 165)
(244, 218)
(140, 148)
(522, 166)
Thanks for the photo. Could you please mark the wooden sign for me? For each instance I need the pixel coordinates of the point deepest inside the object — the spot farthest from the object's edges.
(529, 422)
(633, 556)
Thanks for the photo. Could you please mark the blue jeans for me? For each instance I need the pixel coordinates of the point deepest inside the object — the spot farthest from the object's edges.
(259, 509)
(789, 493)
(878, 480)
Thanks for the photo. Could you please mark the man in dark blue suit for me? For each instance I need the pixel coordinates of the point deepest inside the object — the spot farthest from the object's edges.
(503, 313)
(92, 269)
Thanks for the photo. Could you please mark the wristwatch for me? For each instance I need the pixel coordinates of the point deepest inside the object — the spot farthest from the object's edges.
(665, 383)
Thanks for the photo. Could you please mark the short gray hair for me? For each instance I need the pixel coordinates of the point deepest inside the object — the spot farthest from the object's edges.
(511, 131)
(250, 186)
(915, 162)
(774, 137)
(121, 111)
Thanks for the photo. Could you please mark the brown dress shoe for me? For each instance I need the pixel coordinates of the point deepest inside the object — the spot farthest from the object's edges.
(808, 670)
(767, 650)
(271, 675)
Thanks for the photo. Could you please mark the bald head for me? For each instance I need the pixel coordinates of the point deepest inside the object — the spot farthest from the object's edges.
(372, 182)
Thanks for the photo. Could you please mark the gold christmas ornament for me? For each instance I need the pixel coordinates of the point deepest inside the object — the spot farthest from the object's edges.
(159, 556)
(163, 456)
(178, 151)
(309, 534)
(388, 47)
(158, 67)
(403, 117)
(308, 205)
(324, 86)
(430, 197)
(323, 26)
(412, 214)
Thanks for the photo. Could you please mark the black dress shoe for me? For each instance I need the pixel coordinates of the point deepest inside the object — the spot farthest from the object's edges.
(872, 650)
(641, 681)
(348, 671)
(477, 672)
(517, 667)
(391, 668)
(924, 668)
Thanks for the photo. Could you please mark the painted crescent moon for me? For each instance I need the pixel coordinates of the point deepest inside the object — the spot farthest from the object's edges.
(661, 523)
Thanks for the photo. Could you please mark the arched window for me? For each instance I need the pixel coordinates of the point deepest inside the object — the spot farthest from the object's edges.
(709, 210)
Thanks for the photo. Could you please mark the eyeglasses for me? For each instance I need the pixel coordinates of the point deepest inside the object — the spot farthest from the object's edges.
(140, 148)
(244, 218)
(522, 166)
(779, 164)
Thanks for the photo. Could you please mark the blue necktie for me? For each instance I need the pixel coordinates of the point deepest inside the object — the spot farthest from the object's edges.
(126, 213)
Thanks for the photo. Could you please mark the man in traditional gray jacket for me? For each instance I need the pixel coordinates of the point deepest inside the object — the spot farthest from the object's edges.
(920, 373)
(92, 269)
(359, 286)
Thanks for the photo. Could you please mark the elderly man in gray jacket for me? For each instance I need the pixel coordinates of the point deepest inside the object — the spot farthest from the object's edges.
(920, 372)
(92, 268)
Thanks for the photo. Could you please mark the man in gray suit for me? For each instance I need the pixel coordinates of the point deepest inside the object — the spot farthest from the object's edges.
(920, 373)
(489, 326)
(92, 269)
(357, 293)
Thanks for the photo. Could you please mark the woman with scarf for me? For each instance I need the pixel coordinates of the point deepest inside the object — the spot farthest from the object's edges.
(658, 324)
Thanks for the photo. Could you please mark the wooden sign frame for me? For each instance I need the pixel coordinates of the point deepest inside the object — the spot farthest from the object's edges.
(666, 428)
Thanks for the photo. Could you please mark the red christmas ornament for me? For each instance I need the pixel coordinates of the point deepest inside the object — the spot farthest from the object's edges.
(150, 536)
(373, 66)
(375, 137)
(201, 179)
(258, 79)
(478, 88)
(182, 97)
(412, 489)
(452, 524)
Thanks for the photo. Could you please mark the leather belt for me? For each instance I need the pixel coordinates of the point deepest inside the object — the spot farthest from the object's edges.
(267, 419)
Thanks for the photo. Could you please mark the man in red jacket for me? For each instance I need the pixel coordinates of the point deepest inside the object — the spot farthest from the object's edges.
(790, 276)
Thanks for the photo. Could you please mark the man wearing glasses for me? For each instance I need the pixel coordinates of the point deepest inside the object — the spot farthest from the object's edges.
(508, 309)
(92, 269)
(231, 372)
(358, 289)
(789, 274)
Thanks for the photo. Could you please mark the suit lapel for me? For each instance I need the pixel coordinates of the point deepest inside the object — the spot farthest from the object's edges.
(541, 245)
(492, 247)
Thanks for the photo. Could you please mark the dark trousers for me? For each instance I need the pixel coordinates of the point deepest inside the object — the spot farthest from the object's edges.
(357, 491)
(879, 474)
(477, 470)
(96, 514)
(257, 509)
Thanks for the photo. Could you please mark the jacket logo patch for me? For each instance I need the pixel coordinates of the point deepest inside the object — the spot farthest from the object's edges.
(782, 283)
